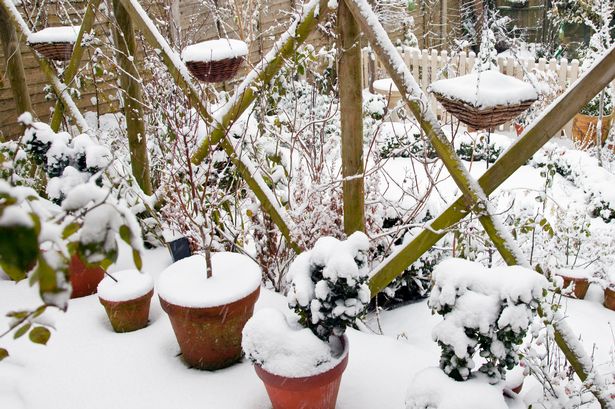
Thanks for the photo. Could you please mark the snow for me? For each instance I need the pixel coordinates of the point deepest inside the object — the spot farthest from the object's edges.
(432, 388)
(67, 34)
(215, 50)
(486, 89)
(15, 216)
(385, 85)
(130, 284)
(185, 283)
(283, 347)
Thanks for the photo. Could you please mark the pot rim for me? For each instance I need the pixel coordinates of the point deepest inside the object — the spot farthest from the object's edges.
(139, 299)
(170, 307)
(305, 382)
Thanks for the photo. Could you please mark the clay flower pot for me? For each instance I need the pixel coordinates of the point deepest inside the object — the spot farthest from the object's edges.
(581, 285)
(609, 298)
(584, 129)
(83, 279)
(313, 392)
(208, 315)
(126, 298)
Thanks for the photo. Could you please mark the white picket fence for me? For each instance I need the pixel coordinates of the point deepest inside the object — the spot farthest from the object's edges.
(427, 67)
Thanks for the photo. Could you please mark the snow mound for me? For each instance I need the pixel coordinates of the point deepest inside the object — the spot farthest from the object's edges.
(130, 284)
(487, 89)
(432, 388)
(185, 282)
(67, 34)
(215, 50)
(283, 347)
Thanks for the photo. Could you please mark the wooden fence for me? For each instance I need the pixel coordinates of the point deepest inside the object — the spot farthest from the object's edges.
(428, 66)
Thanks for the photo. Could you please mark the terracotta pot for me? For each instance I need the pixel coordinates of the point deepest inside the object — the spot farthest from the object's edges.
(584, 129)
(210, 338)
(83, 279)
(581, 285)
(310, 392)
(609, 298)
(129, 315)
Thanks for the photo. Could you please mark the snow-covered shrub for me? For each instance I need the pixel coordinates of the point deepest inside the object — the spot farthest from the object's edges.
(328, 285)
(486, 311)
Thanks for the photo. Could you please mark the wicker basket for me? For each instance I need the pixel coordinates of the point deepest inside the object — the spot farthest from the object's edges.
(584, 129)
(482, 118)
(215, 71)
(54, 51)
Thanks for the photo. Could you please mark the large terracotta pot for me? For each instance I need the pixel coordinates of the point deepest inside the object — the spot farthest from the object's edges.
(581, 285)
(83, 279)
(129, 315)
(210, 338)
(310, 392)
(609, 298)
(584, 129)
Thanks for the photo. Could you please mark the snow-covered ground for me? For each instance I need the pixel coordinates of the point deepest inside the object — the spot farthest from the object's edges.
(87, 365)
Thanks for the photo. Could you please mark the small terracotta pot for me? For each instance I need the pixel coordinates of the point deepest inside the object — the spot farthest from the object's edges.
(310, 392)
(83, 279)
(609, 298)
(129, 315)
(584, 129)
(210, 338)
(581, 285)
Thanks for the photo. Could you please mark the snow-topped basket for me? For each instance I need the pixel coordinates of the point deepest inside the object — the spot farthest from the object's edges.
(215, 60)
(209, 313)
(55, 43)
(484, 100)
(126, 296)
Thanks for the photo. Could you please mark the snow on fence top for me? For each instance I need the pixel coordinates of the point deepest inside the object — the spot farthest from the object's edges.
(215, 50)
(67, 34)
(486, 89)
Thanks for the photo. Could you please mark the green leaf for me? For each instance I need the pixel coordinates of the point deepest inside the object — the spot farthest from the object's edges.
(70, 230)
(136, 256)
(22, 330)
(3, 353)
(18, 250)
(39, 311)
(125, 234)
(47, 279)
(40, 335)
(17, 314)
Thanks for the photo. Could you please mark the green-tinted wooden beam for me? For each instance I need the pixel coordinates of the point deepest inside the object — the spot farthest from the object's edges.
(75, 61)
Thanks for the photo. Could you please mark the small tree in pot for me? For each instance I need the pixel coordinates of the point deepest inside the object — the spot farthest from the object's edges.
(301, 359)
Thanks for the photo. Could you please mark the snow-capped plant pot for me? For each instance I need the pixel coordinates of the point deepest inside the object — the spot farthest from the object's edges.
(55, 43)
(609, 298)
(83, 279)
(484, 100)
(126, 297)
(208, 314)
(300, 359)
(584, 129)
(580, 283)
(515, 379)
(215, 60)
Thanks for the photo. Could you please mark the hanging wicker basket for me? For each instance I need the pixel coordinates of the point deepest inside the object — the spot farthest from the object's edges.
(215, 71)
(54, 51)
(478, 118)
(215, 60)
(484, 100)
(55, 43)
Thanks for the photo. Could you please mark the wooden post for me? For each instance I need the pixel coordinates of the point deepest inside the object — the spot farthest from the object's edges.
(351, 117)
(14, 64)
(133, 99)
(75, 61)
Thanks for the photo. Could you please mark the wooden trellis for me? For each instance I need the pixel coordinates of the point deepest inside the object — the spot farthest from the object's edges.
(356, 14)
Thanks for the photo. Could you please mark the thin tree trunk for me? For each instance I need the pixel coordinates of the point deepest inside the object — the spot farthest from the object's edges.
(350, 89)
(14, 64)
(133, 99)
